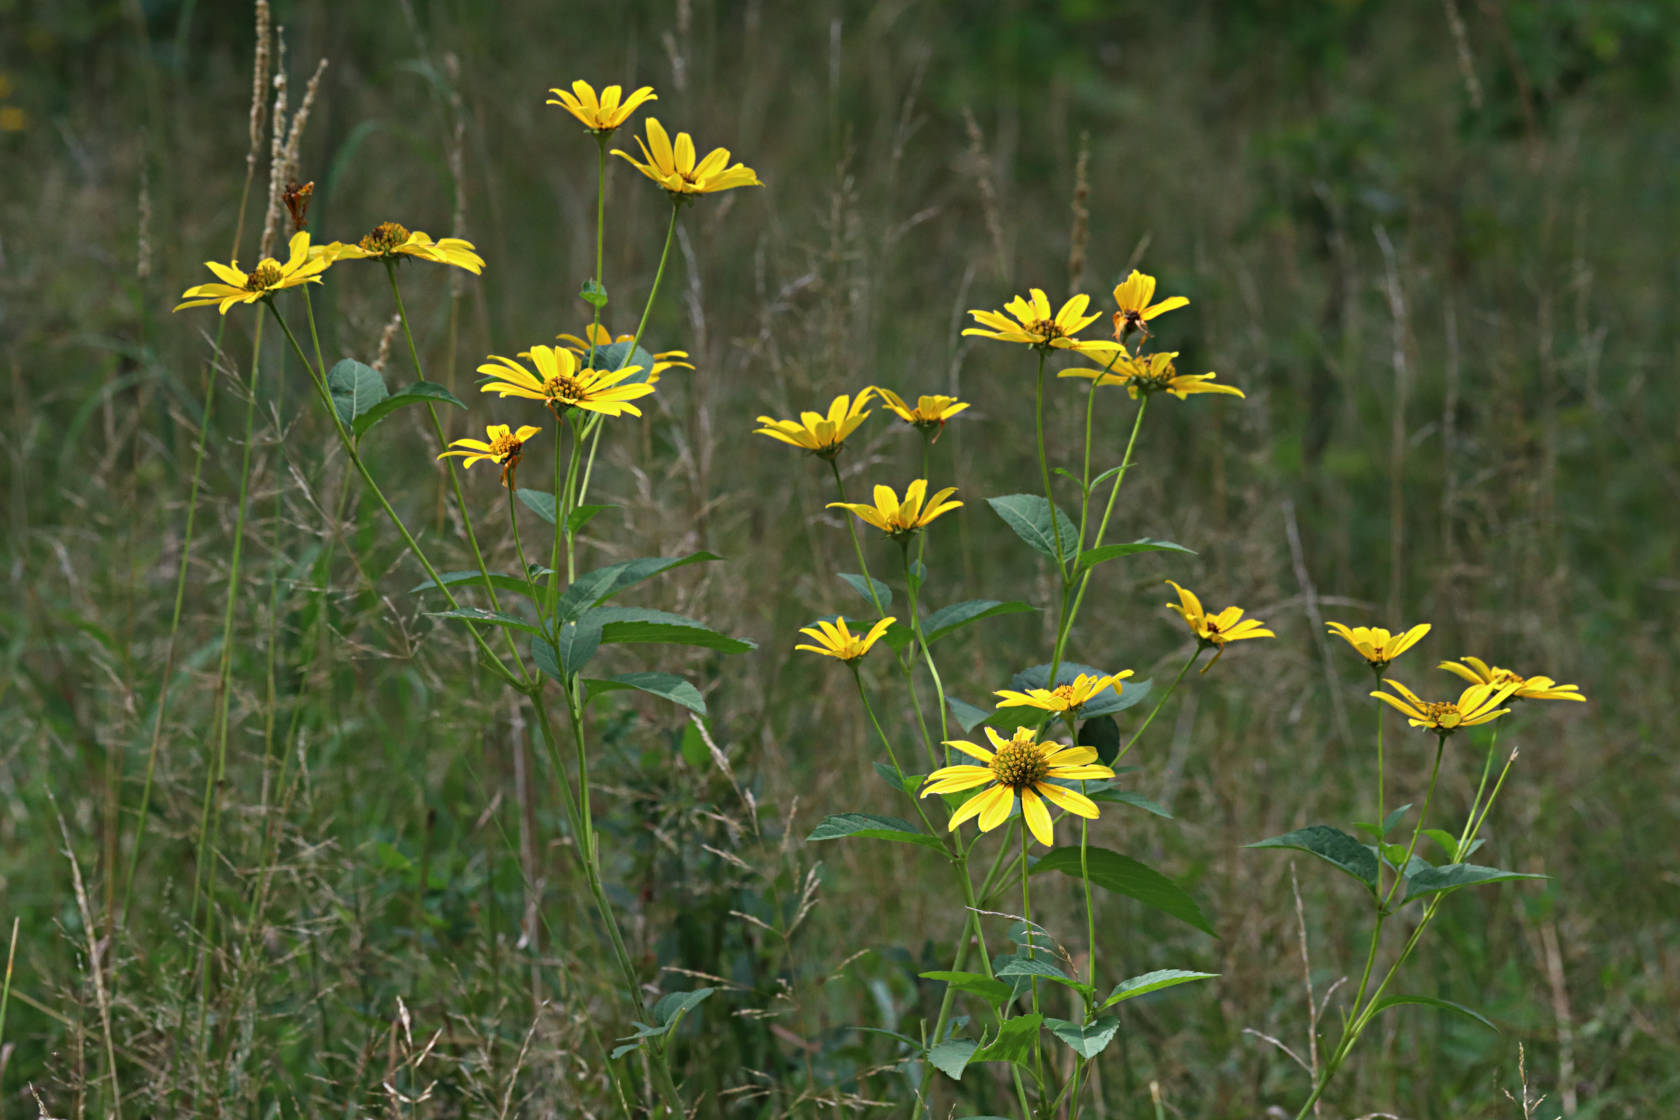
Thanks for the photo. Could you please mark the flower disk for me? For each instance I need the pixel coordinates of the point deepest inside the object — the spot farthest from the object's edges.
(392, 241)
(674, 167)
(1477, 704)
(302, 266)
(504, 446)
(1019, 767)
(601, 115)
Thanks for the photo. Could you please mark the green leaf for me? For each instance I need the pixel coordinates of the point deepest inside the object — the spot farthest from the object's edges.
(1087, 1041)
(968, 716)
(1449, 844)
(1042, 969)
(615, 355)
(838, 825)
(907, 783)
(1453, 876)
(1014, 1041)
(573, 647)
(1333, 846)
(355, 388)
(1429, 1001)
(673, 1004)
(642, 624)
(420, 391)
(1103, 734)
(539, 502)
(593, 294)
(460, 579)
(1029, 516)
(951, 1056)
(1091, 557)
(946, 620)
(994, 992)
(1153, 982)
(1123, 875)
(581, 516)
(492, 618)
(862, 586)
(595, 587)
(1127, 797)
(666, 686)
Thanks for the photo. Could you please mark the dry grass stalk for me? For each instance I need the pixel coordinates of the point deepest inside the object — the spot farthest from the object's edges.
(276, 149)
(259, 86)
(1081, 215)
(988, 190)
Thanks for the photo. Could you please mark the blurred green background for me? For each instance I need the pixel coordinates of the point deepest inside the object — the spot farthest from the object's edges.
(1433, 242)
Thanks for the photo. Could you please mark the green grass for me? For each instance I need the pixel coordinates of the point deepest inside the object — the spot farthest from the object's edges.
(1452, 323)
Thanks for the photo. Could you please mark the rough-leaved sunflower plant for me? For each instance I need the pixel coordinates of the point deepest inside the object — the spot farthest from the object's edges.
(393, 241)
(835, 639)
(674, 167)
(603, 114)
(1024, 768)
(897, 518)
(503, 445)
(929, 414)
(1475, 705)
(1027, 320)
(1132, 297)
(820, 433)
(233, 286)
(561, 384)
(1068, 697)
(1377, 646)
(1477, 671)
(1152, 373)
(1215, 630)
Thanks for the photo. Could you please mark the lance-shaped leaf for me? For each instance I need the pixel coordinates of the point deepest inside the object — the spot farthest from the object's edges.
(1086, 1040)
(1454, 876)
(475, 578)
(863, 586)
(421, 392)
(1091, 557)
(994, 992)
(1123, 875)
(595, 587)
(666, 686)
(641, 624)
(952, 1056)
(1429, 1001)
(490, 618)
(1014, 1041)
(1029, 515)
(836, 826)
(1334, 847)
(1153, 982)
(947, 620)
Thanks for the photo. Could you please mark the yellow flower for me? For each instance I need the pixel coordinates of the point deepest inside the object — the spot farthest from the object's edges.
(674, 167)
(1215, 630)
(504, 447)
(835, 640)
(1477, 704)
(1132, 296)
(1030, 323)
(561, 384)
(1153, 373)
(1064, 697)
(819, 434)
(890, 515)
(930, 413)
(1024, 767)
(1477, 671)
(1377, 646)
(604, 114)
(301, 267)
(389, 241)
(669, 359)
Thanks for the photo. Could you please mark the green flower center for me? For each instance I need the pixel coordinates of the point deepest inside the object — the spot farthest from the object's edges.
(264, 277)
(385, 238)
(1443, 714)
(1020, 764)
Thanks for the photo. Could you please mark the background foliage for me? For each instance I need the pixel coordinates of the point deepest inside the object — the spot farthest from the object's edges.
(1433, 243)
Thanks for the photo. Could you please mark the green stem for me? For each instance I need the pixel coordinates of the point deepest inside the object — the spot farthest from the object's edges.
(892, 756)
(653, 292)
(920, 638)
(600, 228)
(519, 548)
(1475, 802)
(1159, 704)
(1044, 469)
(1032, 938)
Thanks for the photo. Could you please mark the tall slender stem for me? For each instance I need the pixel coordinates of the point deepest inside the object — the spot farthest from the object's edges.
(910, 584)
(1044, 470)
(1159, 704)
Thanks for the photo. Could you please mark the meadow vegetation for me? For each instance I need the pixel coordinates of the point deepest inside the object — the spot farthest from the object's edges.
(334, 785)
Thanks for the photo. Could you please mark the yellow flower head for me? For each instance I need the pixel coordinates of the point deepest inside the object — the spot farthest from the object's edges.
(1024, 767)
(1477, 704)
(1132, 298)
(890, 515)
(561, 384)
(817, 433)
(1030, 323)
(1215, 630)
(1377, 646)
(1153, 373)
(674, 167)
(1064, 697)
(301, 267)
(600, 337)
(600, 115)
(504, 446)
(835, 640)
(1477, 671)
(930, 413)
(391, 241)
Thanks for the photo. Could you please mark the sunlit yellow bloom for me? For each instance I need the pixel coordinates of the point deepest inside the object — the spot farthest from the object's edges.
(890, 515)
(1132, 298)
(674, 168)
(391, 241)
(1030, 323)
(561, 384)
(1477, 704)
(1153, 373)
(1064, 697)
(1024, 767)
(1477, 671)
(835, 640)
(1377, 646)
(669, 359)
(1215, 630)
(301, 267)
(604, 114)
(930, 413)
(819, 434)
(504, 447)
